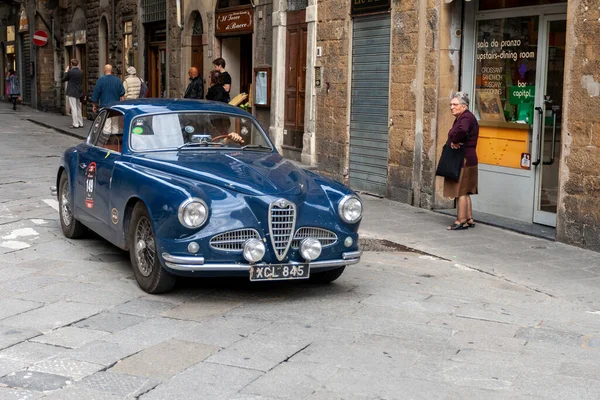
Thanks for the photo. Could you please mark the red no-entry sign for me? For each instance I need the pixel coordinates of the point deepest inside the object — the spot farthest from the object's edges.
(40, 38)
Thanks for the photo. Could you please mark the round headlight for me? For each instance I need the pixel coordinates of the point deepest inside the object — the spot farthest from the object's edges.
(193, 213)
(310, 249)
(254, 250)
(350, 209)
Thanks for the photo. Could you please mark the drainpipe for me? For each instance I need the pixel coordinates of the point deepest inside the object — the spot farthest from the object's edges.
(178, 5)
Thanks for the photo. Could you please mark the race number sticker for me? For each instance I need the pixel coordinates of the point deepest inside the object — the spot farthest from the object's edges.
(90, 185)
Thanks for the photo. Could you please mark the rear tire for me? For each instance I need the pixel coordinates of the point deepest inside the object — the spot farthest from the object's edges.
(148, 271)
(327, 276)
(71, 228)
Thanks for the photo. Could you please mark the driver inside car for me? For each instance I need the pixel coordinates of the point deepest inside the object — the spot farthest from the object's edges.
(220, 130)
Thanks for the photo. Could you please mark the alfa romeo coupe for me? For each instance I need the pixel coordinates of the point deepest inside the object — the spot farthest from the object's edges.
(194, 188)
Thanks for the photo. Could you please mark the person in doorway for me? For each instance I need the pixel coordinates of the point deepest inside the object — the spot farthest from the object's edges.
(216, 91)
(74, 78)
(195, 88)
(219, 65)
(109, 89)
(132, 85)
(463, 135)
(13, 90)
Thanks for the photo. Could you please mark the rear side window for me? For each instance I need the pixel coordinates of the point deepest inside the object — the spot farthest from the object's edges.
(96, 128)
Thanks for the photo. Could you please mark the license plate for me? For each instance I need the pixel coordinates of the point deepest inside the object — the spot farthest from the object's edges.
(279, 272)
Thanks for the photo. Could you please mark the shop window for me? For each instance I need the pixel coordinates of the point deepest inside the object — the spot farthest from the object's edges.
(154, 10)
(232, 3)
(505, 76)
(295, 5)
(10, 33)
(128, 58)
(485, 5)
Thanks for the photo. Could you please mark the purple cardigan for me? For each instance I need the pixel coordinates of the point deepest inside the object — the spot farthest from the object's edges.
(466, 123)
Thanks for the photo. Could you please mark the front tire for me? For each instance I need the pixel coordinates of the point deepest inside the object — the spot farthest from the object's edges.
(327, 276)
(148, 271)
(71, 228)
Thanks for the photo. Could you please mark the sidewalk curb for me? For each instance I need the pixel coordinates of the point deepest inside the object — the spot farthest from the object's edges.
(59, 130)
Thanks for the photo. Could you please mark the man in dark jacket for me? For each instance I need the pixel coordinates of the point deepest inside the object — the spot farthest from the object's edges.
(195, 89)
(73, 77)
(109, 89)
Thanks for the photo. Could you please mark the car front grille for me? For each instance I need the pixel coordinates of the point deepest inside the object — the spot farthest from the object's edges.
(282, 219)
(233, 240)
(327, 238)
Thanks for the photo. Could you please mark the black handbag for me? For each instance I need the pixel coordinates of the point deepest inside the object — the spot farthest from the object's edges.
(451, 161)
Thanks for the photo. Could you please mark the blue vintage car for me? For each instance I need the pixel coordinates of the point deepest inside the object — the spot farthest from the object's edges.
(194, 188)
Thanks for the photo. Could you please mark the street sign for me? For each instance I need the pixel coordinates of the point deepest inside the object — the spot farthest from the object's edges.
(40, 38)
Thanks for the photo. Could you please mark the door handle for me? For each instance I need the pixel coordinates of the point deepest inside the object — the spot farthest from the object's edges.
(82, 165)
(553, 139)
(540, 135)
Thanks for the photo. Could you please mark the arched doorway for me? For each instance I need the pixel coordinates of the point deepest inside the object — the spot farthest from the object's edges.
(197, 46)
(102, 45)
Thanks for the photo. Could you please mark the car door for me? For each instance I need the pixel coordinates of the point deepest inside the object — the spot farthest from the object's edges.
(95, 169)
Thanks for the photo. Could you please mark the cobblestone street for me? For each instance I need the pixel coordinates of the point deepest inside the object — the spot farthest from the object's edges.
(487, 315)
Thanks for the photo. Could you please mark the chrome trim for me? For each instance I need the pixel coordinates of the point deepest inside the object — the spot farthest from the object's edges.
(182, 259)
(284, 205)
(218, 242)
(246, 267)
(186, 203)
(352, 254)
(53, 191)
(341, 205)
(321, 234)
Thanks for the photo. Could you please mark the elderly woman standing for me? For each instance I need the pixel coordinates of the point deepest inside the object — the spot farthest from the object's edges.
(464, 134)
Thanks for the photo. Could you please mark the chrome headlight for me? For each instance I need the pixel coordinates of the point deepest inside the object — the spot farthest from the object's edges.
(310, 249)
(350, 209)
(254, 250)
(193, 213)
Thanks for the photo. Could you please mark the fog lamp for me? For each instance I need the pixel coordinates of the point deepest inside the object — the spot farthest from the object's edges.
(254, 250)
(348, 241)
(310, 249)
(193, 247)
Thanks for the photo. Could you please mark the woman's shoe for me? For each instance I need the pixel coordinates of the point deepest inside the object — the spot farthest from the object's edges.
(458, 226)
(471, 223)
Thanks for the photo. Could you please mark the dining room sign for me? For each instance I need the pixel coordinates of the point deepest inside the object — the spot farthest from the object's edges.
(237, 22)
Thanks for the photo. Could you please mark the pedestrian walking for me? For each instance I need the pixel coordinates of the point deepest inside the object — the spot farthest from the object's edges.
(216, 91)
(13, 89)
(74, 78)
(109, 89)
(195, 88)
(219, 64)
(132, 85)
(463, 135)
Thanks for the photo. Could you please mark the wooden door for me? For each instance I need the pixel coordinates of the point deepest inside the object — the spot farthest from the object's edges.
(157, 71)
(198, 54)
(295, 78)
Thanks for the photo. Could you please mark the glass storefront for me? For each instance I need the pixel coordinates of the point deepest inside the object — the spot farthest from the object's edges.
(516, 74)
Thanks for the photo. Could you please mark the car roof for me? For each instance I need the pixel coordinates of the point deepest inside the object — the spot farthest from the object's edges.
(134, 108)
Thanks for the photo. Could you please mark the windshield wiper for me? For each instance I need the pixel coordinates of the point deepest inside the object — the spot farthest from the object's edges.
(198, 144)
(256, 146)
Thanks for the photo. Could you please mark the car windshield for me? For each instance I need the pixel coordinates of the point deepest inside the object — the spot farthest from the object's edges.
(193, 130)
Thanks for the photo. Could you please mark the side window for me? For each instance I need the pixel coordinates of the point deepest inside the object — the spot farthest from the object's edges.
(111, 135)
(95, 132)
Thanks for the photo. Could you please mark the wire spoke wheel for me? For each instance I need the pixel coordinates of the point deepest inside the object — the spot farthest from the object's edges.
(65, 205)
(145, 247)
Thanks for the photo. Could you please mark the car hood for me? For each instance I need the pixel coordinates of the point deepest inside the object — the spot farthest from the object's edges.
(250, 172)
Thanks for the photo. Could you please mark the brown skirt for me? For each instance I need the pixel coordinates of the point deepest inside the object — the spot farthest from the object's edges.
(467, 183)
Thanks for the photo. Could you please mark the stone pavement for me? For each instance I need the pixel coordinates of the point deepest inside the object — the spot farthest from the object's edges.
(485, 314)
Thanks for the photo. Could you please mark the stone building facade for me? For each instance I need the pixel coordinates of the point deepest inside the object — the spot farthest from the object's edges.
(531, 89)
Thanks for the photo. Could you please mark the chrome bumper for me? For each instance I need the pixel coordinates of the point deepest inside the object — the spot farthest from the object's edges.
(53, 191)
(181, 263)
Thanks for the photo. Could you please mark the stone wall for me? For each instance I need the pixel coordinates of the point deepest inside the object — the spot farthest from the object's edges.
(332, 110)
(174, 41)
(578, 219)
